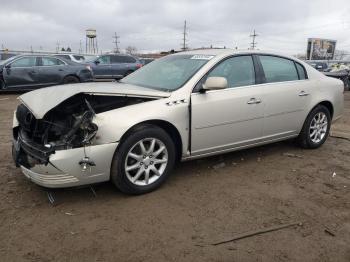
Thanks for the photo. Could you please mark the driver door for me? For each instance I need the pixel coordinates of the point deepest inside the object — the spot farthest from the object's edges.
(21, 73)
(228, 118)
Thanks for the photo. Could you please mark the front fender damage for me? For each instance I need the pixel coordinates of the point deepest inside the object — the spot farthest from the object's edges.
(66, 138)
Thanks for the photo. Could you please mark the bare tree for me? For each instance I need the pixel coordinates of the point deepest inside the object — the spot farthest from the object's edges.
(300, 56)
(131, 50)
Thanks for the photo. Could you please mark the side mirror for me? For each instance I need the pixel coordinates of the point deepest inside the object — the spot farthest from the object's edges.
(97, 62)
(8, 66)
(215, 83)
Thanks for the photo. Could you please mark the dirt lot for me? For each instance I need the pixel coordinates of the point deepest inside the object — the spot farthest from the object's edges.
(204, 202)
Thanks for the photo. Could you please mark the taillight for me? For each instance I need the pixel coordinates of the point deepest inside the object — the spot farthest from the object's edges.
(138, 65)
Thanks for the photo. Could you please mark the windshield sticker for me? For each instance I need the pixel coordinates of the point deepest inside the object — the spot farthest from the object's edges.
(202, 57)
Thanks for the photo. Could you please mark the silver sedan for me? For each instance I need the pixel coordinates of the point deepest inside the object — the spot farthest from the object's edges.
(183, 106)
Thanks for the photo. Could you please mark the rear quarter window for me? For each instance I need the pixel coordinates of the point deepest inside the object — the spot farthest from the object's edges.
(301, 71)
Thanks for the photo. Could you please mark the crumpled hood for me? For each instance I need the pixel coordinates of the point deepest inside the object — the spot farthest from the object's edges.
(40, 101)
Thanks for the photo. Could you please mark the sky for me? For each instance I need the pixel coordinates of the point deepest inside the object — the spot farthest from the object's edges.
(157, 25)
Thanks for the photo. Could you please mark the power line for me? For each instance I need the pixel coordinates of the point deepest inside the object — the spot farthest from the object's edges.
(184, 40)
(253, 43)
(116, 42)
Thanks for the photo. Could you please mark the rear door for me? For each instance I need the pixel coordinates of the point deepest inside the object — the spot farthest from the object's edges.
(286, 94)
(118, 66)
(51, 70)
(22, 73)
(103, 67)
(228, 118)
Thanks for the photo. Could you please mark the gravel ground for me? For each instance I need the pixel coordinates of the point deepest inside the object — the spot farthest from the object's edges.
(204, 202)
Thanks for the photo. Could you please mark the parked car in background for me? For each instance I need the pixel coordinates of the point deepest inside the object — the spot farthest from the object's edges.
(5, 56)
(72, 57)
(320, 66)
(180, 107)
(26, 72)
(114, 66)
(145, 61)
(90, 58)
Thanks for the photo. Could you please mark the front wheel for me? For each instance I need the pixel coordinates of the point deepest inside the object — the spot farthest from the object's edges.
(316, 128)
(143, 161)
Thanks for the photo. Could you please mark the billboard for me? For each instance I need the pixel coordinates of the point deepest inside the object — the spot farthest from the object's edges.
(320, 49)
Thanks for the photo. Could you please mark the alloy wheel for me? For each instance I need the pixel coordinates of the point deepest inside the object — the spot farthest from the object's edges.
(318, 127)
(146, 161)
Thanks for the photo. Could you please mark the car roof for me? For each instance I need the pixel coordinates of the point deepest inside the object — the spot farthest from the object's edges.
(227, 51)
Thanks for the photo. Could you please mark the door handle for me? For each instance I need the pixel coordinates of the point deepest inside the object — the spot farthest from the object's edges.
(60, 69)
(303, 93)
(254, 101)
(33, 72)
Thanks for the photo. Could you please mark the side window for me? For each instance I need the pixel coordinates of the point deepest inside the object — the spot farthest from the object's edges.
(278, 69)
(50, 61)
(24, 62)
(106, 59)
(116, 59)
(239, 71)
(301, 71)
(129, 59)
(122, 59)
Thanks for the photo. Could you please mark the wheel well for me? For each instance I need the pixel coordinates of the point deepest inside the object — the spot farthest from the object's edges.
(167, 127)
(77, 77)
(329, 107)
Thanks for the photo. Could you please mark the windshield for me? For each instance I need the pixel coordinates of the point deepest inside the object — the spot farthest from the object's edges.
(168, 73)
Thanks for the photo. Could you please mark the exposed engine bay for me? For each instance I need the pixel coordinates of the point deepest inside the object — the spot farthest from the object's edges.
(68, 125)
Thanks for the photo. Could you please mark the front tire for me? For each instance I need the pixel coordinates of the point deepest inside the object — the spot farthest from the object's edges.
(2, 85)
(316, 128)
(143, 161)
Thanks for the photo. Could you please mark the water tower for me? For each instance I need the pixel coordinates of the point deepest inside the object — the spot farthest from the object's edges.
(91, 41)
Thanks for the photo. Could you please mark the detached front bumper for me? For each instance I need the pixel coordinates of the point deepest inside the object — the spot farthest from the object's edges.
(63, 168)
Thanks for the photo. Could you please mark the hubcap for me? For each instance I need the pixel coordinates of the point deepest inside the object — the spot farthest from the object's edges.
(146, 161)
(318, 127)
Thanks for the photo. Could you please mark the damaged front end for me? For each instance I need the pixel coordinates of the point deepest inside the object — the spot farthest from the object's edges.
(67, 126)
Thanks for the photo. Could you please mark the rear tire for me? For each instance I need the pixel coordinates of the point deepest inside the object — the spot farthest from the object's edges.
(70, 80)
(139, 169)
(316, 128)
(128, 73)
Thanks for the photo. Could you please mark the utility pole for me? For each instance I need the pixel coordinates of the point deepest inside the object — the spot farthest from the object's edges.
(57, 46)
(253, 43)
(184, 45)
(116, 42)
(80, 47)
